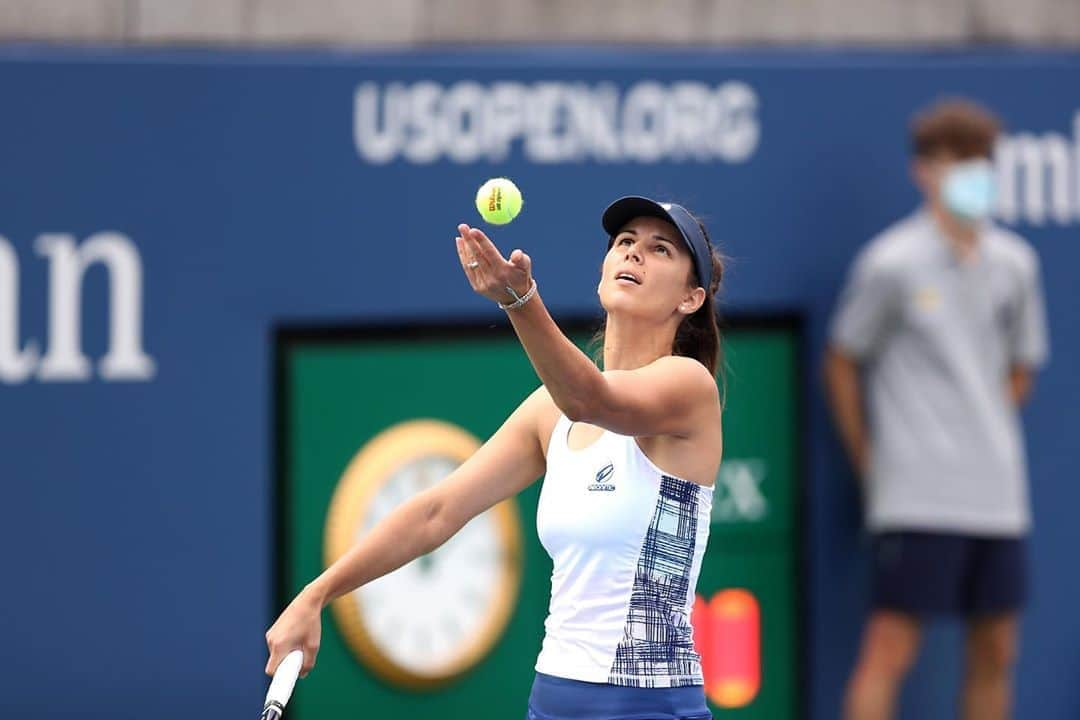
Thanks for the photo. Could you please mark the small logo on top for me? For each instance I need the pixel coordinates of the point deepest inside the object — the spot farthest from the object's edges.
(603, 478)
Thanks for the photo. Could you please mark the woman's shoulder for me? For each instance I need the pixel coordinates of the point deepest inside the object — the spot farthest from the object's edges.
(545, 413)
(541, 408)
(540, 400)
(685, 368)
(683, 364)
(691, 374)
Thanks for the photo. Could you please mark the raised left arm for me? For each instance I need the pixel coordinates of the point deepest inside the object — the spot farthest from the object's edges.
(670, 396)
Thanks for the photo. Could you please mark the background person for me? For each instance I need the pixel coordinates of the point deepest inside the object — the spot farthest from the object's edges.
(937, 334)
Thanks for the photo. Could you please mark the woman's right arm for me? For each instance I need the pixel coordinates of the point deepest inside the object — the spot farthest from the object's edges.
(507, 463)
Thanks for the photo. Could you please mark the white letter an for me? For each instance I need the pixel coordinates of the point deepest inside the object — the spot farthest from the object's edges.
(125, 359)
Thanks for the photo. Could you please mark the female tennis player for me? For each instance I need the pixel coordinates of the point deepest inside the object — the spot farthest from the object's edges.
(630, 454)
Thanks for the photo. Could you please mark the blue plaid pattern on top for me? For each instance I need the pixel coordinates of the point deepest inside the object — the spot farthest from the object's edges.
(657, 649)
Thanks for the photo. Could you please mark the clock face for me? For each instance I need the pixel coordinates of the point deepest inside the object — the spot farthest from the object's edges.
(437, 616)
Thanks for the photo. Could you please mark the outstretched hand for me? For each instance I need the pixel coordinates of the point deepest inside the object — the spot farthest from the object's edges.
(488, 272)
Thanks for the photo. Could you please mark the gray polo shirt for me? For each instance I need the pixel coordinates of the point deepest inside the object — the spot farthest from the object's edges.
(936, 338)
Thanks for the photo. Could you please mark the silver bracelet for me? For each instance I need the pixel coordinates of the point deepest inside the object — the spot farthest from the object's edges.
(519, 300)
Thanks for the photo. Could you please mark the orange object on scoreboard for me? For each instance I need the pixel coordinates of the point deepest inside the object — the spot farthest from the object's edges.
(727, 632)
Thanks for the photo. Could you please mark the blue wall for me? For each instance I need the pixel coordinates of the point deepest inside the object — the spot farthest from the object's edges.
(137, 515)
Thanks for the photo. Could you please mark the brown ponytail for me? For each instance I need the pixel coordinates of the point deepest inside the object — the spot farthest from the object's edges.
(698, 336)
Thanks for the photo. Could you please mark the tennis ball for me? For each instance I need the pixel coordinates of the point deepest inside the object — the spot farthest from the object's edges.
(498, 200)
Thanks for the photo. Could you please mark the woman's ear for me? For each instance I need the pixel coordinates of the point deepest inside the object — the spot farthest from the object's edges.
(693, 301)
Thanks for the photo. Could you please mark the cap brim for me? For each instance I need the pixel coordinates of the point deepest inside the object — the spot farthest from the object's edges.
(627, 208)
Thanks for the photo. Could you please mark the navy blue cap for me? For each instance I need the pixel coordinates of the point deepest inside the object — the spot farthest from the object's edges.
(627, 208)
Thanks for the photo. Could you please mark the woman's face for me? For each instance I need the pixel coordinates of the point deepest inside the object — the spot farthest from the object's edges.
(648, 270)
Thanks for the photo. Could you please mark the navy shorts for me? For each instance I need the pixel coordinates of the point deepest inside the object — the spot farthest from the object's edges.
(928, 573)
(556, 698)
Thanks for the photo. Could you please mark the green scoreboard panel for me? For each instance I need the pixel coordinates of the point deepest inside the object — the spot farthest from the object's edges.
(365, 418)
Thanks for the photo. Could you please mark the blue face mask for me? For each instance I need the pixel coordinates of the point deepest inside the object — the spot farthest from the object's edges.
(969, 189)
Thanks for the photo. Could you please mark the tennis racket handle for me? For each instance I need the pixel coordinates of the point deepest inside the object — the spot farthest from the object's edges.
(281, 686)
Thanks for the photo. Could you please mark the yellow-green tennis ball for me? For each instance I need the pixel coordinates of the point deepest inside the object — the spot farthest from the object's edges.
(498, 200)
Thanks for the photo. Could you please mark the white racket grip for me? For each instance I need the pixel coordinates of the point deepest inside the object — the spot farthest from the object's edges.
(281, 686)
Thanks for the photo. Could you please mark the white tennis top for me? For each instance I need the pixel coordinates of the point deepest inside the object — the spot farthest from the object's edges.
(626, 540)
